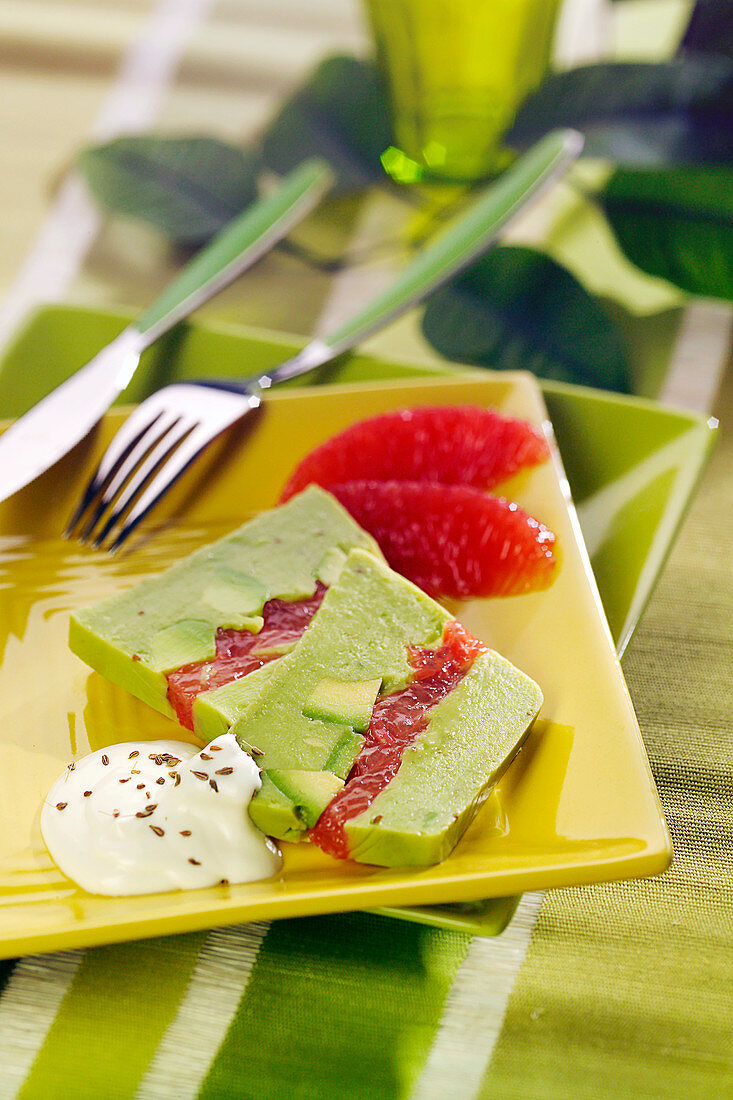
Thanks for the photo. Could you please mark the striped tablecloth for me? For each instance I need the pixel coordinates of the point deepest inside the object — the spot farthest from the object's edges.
(600, 992)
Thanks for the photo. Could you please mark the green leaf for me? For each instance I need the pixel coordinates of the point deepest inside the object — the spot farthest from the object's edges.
(516, 309)
(710, 29)
(639, 113)
(188, 187)
(340, 113)
(676, 224)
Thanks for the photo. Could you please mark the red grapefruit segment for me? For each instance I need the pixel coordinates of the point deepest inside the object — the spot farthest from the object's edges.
(239, 652)
(396, 721)
(452, 540)
(454, 445)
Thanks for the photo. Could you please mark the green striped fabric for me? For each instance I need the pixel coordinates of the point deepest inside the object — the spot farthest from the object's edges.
(145, 981)
(352, 999)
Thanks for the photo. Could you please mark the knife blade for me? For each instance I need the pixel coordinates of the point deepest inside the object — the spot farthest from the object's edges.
(52, 427)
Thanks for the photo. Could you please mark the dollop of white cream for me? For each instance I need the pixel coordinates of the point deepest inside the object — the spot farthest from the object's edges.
(155, 816)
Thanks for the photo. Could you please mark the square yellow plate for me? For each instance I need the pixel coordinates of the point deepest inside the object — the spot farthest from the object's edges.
(577, 806)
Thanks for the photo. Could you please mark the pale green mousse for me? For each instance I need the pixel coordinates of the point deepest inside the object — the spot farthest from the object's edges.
(137, 636)
(215, 711)
(307, 720)
(450, 768)
(306, 723)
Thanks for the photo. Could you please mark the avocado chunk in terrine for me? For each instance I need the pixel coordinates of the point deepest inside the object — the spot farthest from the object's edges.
(310, 714)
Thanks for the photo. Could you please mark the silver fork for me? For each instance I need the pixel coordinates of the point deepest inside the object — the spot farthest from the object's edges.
(164, 435)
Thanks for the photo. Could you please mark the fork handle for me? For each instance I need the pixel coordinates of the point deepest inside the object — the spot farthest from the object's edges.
(240, 244)
(464, 240)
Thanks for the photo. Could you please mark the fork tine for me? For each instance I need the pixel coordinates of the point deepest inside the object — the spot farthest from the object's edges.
(85, 500)
(124, 470)
(178, 462)
(152, 449)
(157, 458)
(123, 442)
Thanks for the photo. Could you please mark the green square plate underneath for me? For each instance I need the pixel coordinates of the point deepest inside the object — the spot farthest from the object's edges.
(631, 465)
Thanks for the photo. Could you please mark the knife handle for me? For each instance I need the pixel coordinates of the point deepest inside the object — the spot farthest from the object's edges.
(243, 241)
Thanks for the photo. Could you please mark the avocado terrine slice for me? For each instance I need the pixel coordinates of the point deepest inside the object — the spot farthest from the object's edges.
(138, 637)
(400, 785)
(448, 771)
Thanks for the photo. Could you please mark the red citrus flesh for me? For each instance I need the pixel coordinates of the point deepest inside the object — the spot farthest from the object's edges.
(239, 652)
(396, 721)
(451, 540)
(453, 445)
